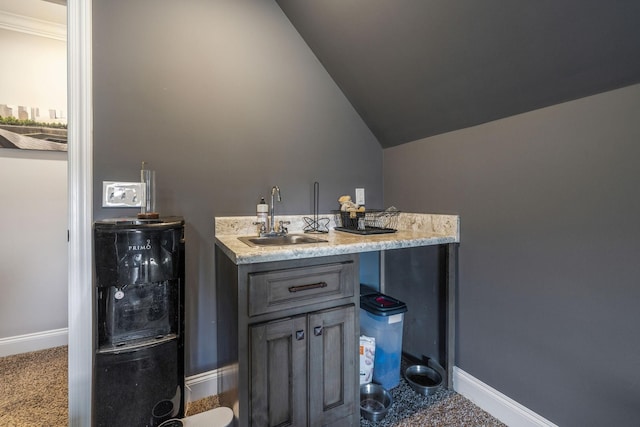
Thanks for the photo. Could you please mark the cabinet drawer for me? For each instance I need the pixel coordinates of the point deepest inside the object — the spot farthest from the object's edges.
(282, 289)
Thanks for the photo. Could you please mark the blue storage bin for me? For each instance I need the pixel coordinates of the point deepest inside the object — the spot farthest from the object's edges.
(382, 317)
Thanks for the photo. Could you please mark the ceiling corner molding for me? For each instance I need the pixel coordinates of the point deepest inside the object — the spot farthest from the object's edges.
(36, 27)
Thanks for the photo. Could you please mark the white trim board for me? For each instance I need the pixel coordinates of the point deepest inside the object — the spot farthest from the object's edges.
(210, 383)
(33, 342)
(80, 196)
(495, 403)
(33, 26)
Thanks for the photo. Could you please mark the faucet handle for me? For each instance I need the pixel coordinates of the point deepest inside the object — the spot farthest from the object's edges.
(263, 226)
(282, 227)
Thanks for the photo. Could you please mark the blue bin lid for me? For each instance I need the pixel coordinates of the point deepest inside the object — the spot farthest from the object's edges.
(382, 305)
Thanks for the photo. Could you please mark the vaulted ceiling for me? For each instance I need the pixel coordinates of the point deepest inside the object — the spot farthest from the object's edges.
(417, 68)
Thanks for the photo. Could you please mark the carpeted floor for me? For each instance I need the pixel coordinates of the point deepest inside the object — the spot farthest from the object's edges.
(33, 393)
(443, 408)
(33, 389)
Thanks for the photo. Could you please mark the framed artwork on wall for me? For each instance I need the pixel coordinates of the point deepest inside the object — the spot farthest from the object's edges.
(32, 128)
(33, 79)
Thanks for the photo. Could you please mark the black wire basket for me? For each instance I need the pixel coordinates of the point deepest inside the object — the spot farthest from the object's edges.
(371, 221)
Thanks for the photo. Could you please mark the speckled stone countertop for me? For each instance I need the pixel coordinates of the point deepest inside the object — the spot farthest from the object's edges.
(413, 230)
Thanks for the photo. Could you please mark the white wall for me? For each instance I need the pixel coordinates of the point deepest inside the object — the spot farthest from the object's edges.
(33, 195)
(33, 252)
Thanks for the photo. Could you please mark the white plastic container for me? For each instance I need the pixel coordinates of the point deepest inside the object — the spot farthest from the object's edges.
(262, 213)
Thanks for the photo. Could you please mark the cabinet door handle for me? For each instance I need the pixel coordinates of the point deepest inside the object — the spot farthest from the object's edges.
(317, 331)
(300, 335)
(307, 287)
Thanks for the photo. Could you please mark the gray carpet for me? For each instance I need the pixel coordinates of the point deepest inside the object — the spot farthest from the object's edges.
(443, 408)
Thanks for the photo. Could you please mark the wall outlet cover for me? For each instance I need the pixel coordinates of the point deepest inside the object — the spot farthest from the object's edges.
(122, 194)
(360, 196)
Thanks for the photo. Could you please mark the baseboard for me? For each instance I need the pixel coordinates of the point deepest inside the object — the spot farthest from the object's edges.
(495, 403)
(210, 383)
(33, 342)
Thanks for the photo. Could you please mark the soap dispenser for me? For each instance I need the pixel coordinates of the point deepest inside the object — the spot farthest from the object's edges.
(262, 214)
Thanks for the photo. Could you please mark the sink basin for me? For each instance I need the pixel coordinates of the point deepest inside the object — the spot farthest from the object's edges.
(288, 239)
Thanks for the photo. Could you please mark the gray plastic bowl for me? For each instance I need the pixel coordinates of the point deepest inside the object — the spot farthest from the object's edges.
(423, 379)
(375, 401)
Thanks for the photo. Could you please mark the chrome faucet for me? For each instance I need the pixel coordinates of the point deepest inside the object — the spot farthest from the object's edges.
(275, 190)
(272, 231)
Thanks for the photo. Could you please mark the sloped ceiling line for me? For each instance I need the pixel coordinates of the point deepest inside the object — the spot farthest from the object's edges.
(418, 68)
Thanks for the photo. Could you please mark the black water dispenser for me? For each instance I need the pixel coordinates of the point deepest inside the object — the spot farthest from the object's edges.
(139, 321)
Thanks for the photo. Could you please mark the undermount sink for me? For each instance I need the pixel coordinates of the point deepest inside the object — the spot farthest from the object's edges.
(287, 239)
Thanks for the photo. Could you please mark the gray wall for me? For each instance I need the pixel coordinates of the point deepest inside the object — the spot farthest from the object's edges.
(224, 100)
(548, 293)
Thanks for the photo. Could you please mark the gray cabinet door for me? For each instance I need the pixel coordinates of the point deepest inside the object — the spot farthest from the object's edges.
(333, 376)
(281, 351)
(278, 384)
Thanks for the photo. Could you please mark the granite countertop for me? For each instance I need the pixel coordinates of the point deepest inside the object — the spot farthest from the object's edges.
(413, 230)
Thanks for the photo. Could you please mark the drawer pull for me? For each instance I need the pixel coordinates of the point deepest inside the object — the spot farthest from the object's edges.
(310, 286)
(300, 335)
(317, 331)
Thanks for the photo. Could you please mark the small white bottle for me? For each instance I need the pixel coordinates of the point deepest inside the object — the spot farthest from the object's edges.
(262, 214)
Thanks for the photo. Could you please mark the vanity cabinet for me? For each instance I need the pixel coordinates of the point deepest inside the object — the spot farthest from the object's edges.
(303, 369)
(296, 339)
